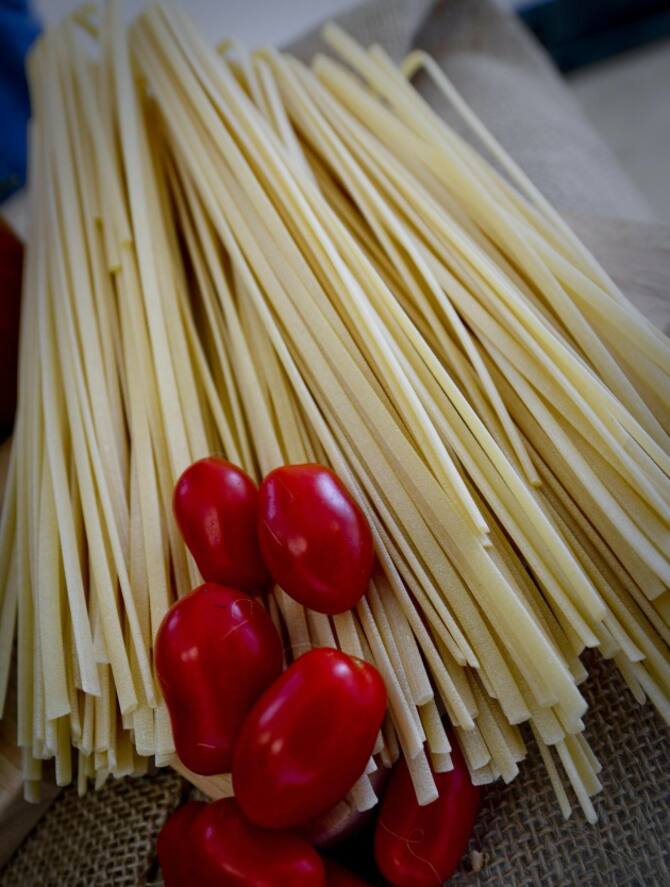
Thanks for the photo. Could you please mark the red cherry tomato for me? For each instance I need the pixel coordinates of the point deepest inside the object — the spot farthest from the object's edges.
(174, 841)
(216, 506)
(308, 738)
(338, 876)
(422, 846)
(216, 652)
(314, 538)
(229, 851)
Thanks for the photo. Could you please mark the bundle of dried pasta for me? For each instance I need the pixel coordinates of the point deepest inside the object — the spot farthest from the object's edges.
(288, 264)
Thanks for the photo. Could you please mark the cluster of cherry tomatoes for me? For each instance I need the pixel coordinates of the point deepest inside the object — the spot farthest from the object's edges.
(301, 530)
(296, 740)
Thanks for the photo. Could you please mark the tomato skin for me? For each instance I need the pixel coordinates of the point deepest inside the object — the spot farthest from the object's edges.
(314, 538)
(308, 738)
(173, 845)
(338, 876)
(422, 846)
(229, 851)
(216, 507)
(216, 652)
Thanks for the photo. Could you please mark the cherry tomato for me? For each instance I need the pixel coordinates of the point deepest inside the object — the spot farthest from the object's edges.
(422, 846)
(308, 738)
(174, 839)
(314, 538)
(216, 652)
(338, 876)
(216, 506)
(229, 851)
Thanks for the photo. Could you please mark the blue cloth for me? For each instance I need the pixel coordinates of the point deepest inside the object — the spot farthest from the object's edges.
(18, 29)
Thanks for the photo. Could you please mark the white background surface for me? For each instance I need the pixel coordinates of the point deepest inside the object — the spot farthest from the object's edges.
(253, 22)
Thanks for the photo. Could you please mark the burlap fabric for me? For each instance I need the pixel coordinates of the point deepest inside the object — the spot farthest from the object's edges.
(108, 838)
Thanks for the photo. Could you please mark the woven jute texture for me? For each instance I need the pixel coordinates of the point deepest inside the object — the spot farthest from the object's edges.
(108, 838)
(523, 837)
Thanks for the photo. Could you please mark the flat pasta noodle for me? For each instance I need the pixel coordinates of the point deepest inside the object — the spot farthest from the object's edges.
(233, 252)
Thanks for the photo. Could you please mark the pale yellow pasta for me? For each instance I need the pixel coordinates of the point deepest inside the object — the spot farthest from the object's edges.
(233, 252)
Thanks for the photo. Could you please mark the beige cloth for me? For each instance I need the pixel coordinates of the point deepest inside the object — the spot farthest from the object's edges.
(509, 82)
(109, 838)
